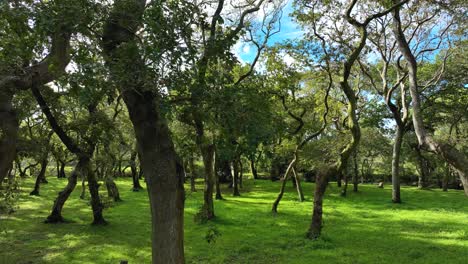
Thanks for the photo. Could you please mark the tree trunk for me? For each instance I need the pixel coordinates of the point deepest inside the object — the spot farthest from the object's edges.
(193, 175)
(83, 188)
(40, 177)
(9, 127)
(396, 198)
(344, 189)
(112, 190)
(136, 181)
(208, 162)
(235, 178)
(274, 208)
(79, 171)
(355, 172)
(446, 178)
(321, 183)
(241, 174)
(96, 204)
(159, 162)
(62, 170)
(293, 181)
(219, 196)
(57, 166)
(300, 193)
(163, 177)
(275, 170)
(22, 173)
(224, 166)
(453, 156)
(253, 169)
(11, 175)
(423, 169)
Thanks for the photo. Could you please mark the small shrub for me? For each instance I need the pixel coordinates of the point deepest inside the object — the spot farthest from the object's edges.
(9, 198)
(212, 234)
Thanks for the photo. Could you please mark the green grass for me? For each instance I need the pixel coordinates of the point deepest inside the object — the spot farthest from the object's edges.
(365, 227)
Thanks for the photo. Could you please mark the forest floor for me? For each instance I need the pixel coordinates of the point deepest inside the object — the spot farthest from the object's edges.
(431, 226)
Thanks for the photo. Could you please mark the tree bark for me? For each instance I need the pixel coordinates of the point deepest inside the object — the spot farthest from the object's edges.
(274, 208)
(57, 167)
(208, 162)
(40, 176)
(193, 175)
(253, 168)
(159, 162)
(79, 171)
(96, 204)
(136, 181)
(219, 195)
(344, 189)
(83, 188)
(300, 193)
(62, 170)
(446, 178)
(321, 183)
(112, 190)
(423, 169)
(22, 173)
(453, 156)
(235, 178)
(241, 174)
(355, 172)
(9, 127)
(396, 198)
(163, 174)
(275, 170)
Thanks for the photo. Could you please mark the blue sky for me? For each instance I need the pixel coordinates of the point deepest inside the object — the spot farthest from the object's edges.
(289, 30)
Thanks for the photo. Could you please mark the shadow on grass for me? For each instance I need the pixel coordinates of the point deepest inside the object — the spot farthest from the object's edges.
(365, 227)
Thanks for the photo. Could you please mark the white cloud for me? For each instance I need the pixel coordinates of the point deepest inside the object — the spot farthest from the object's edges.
(288, 59)
(237, 50)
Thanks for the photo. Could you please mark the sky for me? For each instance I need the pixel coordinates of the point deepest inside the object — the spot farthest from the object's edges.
(289, 30)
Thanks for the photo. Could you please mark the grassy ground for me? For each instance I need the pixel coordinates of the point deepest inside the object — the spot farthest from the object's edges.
(429, 227)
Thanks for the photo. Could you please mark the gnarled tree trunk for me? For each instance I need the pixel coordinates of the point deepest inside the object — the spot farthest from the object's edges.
(321, 183)
(40, 177)
(81, 169)
(96, 204)
(9, 127)
(274, 208)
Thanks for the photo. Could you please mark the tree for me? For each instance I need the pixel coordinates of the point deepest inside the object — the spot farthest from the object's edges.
(454, 157)
(339, 166)
(20, 57)
(159, 162)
